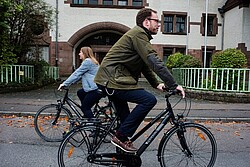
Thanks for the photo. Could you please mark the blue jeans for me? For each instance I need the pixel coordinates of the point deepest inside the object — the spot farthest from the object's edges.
(130, 121)
(88, 100)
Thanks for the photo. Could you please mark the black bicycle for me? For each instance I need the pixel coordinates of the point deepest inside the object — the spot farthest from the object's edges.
(53, 121)
(184, 144)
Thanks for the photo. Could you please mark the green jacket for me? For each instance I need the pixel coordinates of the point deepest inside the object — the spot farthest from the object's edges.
(126, 60)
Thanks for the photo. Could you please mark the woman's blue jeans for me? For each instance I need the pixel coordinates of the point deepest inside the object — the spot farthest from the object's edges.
(88, 100)
(130, 121)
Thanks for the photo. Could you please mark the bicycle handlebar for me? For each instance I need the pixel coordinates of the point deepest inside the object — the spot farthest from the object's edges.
(171, 92)
(65, 87)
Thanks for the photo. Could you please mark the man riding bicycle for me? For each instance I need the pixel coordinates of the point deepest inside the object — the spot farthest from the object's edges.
(120, 70)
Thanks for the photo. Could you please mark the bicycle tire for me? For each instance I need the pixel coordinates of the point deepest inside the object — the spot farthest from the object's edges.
(200, 141)
(77, 146)
(43, 123)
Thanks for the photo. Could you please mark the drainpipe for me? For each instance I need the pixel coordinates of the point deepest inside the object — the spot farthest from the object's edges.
(56, 33)
(205, 40)
(187, 37)
(222, 12)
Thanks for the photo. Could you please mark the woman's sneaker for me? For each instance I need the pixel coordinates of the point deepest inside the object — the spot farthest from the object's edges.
(126, 146)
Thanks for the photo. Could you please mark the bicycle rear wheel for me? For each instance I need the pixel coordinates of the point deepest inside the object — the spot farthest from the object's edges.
(51, 124)
(199, 141)
(76, 148)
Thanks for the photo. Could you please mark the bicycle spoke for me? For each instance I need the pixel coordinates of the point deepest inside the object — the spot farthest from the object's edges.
(198, 140)
(49, 125)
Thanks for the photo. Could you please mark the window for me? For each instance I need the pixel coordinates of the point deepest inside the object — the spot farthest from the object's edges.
(123, 2)
(209, 53)
(180, 24)
(167, 51)
(174, 23)
(78, 1)
(120, 4)
(168, 24)
(93, 2)
(40, 52)
(107, 2)
(137, 3)
(212, 25)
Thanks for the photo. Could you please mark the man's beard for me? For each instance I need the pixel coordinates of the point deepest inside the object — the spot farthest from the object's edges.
(153, 31)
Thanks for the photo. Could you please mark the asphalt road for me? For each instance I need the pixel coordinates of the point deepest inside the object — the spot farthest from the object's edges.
(20, 146)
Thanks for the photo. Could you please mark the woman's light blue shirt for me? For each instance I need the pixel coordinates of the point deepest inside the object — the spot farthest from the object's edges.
(86, 72)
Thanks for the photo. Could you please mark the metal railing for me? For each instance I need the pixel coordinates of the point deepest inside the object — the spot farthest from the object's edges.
(24, 73)
(215, 79)
(51, 72)
(16, 73)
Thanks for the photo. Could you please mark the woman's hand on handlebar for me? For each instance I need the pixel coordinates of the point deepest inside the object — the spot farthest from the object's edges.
(60, 87)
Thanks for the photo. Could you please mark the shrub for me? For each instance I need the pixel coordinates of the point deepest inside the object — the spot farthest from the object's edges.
(38, 67)
(39, 74)
(189, 61)
(229, 58)
(178, 60)
(173, 60)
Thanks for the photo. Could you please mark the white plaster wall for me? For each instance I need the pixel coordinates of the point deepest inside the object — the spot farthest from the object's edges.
(233, 28)
(169, 5)
(246, 27)
(72, 19)
(195, 10)
(197, 7)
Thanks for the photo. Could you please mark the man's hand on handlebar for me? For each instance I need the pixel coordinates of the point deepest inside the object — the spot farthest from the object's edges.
(179, 88)
(161, 86)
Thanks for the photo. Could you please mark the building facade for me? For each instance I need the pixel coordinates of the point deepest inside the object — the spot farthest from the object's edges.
(100, 23)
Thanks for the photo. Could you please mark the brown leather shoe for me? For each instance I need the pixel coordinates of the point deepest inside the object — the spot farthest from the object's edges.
(126, 146)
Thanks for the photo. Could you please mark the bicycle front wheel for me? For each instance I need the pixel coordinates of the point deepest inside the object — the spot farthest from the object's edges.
(77, 147)
(196, 148)
(51, 123)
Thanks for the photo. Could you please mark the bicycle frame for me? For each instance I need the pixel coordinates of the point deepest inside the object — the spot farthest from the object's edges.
(169, 115)
(167, 112)
(72, 104)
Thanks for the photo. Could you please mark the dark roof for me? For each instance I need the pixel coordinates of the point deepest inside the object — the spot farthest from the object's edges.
(230, 4)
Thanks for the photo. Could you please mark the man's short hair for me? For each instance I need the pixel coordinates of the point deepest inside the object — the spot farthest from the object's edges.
(143, 14)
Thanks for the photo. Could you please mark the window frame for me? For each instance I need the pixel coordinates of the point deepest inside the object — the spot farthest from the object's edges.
(174, 16)
(210, 51)
(78, 2)
(112, 2)
(122, 2)
(173, 49)
(93, 2)
(115, 4)
(137, 1)
(214, 31)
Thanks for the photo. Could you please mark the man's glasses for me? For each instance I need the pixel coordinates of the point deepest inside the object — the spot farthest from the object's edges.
(158, 21)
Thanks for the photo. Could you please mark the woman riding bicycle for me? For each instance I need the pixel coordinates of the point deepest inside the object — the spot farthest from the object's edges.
(88, 95)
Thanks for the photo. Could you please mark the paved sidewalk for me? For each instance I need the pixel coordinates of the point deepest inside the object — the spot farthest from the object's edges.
(27, 103)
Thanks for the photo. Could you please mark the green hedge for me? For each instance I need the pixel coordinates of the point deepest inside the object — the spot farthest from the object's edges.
(178, 60)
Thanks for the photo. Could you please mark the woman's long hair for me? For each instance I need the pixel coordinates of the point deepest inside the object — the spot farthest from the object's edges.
(88, 53)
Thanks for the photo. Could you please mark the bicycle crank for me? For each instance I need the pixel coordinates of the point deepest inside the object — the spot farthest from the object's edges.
(125, 160)
(130, 160)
